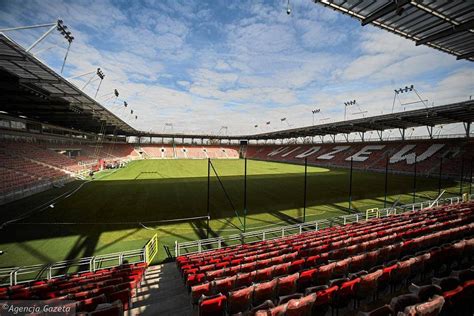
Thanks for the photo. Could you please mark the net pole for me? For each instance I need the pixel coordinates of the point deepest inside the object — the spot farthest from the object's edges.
(414, 181)
(350, 187)
(245, 194)
(305, 186)
(439, 176)
(386, 183)
(462, 176)
(208, 194)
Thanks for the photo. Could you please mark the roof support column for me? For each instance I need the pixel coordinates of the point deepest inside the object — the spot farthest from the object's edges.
(467, 128)
(346, 136)
(333, 136)
(430, 131)
(362, 135)
(402, 133)
(380, 133)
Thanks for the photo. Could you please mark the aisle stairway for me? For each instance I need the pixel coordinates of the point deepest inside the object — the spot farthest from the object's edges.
(162, 292)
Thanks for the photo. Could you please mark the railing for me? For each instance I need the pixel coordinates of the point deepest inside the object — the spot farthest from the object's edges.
(151, 249)
(203, 245)
(16, 275)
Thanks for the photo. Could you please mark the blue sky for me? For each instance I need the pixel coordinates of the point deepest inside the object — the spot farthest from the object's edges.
(201, 65)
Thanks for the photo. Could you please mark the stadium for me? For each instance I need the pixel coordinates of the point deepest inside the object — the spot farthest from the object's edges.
(322, 163)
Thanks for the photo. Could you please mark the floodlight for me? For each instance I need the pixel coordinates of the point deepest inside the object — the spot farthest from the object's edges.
(64, 32)
(100, 74)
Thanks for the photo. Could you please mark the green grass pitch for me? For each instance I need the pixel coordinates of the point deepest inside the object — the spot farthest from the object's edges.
(103, 215)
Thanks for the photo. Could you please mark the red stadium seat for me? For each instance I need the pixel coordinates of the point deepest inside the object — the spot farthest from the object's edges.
(264, 291)
(368, 285)
(323, 300)
(211, 275)
(199, 290)
(212, 306)
(296, 266)
(224, 285)
(263, 274)
(281, 269)
(306, 279)
(194, 279)
(302, 306)
(240, 300)
(325, 273)
(287, 285)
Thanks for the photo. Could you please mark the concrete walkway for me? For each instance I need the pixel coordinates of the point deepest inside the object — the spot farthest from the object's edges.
(162, 292)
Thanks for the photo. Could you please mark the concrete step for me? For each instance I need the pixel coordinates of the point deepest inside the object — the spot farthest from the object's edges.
(162, 292)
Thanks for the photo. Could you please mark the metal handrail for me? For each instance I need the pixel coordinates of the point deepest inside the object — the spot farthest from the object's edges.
(205, 245)
(16, 275)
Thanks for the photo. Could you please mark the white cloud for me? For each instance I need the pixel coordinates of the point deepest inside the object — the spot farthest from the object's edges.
(202, 65)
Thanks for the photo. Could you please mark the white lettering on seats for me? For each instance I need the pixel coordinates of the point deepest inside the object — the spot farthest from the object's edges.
(291, 151)
(309, 152)
(363, 154)
(277, 151)
(410, 157)
(433, 149)
(330, 155)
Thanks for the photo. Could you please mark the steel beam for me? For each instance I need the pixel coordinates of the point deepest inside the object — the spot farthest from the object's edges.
(447, 32)
(386, 9)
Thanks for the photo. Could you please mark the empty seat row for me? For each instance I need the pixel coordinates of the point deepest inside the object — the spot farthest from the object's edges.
(88, 289)
(392, 273)
(283, 299)
(248, 249)
(352, 258)
(312, 256)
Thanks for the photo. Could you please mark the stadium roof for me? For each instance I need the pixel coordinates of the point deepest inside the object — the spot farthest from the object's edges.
(444, 25)
(432, 116)
(29, 88)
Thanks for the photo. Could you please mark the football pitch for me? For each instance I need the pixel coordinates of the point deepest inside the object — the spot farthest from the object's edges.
(122, 209)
